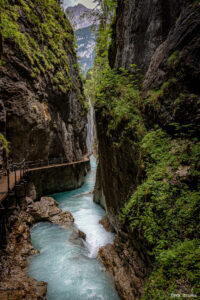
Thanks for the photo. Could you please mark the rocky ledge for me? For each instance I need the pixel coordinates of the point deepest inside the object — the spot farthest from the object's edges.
(106, 224)
(47, 210)
(127, 264)
(14, 281)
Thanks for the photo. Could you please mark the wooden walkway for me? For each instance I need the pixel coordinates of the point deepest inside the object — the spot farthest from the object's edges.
(4, 184)
(12, 182)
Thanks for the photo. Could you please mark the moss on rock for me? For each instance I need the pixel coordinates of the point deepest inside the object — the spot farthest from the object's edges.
(45, 46)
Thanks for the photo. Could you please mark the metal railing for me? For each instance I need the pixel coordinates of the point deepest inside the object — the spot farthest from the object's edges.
(24, 166)
(45, 162)
(20, 169)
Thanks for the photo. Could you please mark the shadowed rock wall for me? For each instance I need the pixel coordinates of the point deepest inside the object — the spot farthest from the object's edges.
(58, 179)
(141, 26)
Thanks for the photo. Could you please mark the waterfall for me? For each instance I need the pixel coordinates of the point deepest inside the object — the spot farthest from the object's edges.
(91, 129)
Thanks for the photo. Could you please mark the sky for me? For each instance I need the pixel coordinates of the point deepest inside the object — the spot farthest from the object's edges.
(87, 3)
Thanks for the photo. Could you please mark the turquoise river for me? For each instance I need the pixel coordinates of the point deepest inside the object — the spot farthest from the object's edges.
(73, 271)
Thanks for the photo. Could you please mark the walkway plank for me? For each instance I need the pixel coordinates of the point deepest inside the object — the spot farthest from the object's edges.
(4, 184)
(4, 179)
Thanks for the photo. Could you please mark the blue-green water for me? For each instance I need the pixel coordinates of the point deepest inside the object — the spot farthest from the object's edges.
(72, 271)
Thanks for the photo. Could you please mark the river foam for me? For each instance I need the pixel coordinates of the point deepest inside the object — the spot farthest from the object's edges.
(72, 271)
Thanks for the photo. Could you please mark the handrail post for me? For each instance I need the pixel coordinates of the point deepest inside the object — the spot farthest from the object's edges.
(8, 177)
(23, 169)
(20, 172)
(15, 176)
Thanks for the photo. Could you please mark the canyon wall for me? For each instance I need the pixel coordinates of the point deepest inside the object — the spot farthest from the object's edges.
(43, 115)
(148, 163)
(41, 97)
(141, 26)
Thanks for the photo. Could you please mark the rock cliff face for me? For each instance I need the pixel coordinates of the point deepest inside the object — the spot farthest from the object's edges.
(162, 38)
(41, 98)
(42, 116)
(118, 175)
(141, 26)
(174, 63)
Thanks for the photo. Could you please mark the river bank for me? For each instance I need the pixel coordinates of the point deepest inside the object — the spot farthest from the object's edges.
(14, 280)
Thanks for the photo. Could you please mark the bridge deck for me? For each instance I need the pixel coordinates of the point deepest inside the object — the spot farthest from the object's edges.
(4, 179)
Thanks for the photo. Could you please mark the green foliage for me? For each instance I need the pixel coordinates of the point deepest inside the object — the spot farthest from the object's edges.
(170, 97)
(154, 97)
(45, 47)
(174, 59)
(195, 2)
(164, 209)
(163, 212)
(117, 96)
(176, 268)
(35, 108)
(114, 92)
(163, 194)
(4, 142)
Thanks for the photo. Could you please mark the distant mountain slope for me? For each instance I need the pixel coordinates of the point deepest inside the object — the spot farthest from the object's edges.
(81, 16)
(82, 20)
(86, 41)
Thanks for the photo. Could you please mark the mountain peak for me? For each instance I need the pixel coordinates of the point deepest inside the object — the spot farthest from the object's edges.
(80, 5)
(81, 16)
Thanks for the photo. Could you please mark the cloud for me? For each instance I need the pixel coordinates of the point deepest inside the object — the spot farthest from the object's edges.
(87, 3)
(67, 3)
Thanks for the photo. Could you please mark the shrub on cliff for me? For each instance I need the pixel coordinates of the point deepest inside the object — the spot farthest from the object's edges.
(4, 143)
(45, 46)
(164, 211)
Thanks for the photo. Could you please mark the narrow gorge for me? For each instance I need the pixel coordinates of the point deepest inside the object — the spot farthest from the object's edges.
(99, 172)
